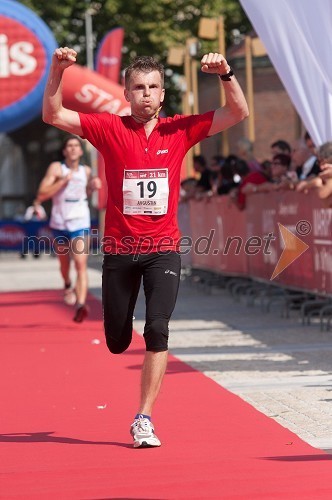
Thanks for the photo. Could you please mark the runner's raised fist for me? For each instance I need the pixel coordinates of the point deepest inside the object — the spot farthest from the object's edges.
(214, 63)
(64, 57)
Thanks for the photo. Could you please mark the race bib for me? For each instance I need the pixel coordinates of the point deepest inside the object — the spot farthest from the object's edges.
(145, 192)
(75, 209)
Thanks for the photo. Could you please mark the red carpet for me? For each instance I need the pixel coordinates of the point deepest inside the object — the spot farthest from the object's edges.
(66, 406)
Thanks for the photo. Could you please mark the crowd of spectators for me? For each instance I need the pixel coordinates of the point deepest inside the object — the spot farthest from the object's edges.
(299, 167)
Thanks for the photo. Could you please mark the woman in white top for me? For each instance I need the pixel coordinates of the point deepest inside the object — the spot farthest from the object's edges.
(69, 184)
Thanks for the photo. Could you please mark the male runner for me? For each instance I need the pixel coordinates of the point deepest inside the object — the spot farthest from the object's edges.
(69, 183)
(143, 154)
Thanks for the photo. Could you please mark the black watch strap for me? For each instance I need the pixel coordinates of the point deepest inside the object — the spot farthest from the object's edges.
(227, 76)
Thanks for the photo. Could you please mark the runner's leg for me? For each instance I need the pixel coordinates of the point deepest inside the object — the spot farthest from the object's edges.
(161, 277)
(63, 254)
(121, 283)
(80, 253)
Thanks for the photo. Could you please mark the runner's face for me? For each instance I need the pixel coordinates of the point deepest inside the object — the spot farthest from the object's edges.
(145, 93)
(73, 150)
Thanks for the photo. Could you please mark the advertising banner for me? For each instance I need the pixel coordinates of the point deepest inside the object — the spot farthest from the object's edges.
(109, 55)
(86, 91)
(284, 238)
(26, 48)
(218, 236)
(321, 247)
(265, 215)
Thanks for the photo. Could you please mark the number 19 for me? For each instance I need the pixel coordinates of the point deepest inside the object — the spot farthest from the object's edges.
(151, 187)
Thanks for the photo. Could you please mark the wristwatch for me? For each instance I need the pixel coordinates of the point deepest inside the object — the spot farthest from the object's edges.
(227, 76)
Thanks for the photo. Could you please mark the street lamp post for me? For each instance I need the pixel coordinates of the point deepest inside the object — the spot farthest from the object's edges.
(89, 46)
(212, 29)
(89, 38)
(192, 49)
(178, 56)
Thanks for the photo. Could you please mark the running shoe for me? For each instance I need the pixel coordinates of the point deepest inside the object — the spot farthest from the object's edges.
(69, 296)
(143, 434)
(81, 314)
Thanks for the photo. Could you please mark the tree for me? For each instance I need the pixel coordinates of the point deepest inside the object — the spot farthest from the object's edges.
(150, 27)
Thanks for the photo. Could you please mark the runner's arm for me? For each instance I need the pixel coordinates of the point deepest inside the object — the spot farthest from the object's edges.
(94, 182)
(52, 182)
(235, 108)
(54, 113)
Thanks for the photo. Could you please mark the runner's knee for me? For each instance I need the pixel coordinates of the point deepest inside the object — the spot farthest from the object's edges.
(118, 340)
(156, 335)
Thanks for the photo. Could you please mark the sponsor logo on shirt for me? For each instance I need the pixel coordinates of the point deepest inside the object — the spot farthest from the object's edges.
(162, 151)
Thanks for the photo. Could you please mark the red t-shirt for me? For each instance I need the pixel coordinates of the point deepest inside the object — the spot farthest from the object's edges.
(143, 177)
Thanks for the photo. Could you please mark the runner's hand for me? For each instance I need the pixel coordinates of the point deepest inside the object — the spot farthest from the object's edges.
(95, 183)
(68, 177)
(64, 57)
(214, 63)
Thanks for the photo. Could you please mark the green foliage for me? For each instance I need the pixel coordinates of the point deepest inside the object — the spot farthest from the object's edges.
(151, 27)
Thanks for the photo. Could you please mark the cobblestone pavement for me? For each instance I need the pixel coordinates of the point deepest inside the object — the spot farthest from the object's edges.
(282, 368)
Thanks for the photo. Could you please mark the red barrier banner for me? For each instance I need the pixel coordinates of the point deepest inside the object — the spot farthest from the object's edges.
(283, 237)
(322, 246)
(205, 234)
(264, 215)
(218, 234)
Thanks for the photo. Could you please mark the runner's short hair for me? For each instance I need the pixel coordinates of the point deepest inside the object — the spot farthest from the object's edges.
(144, 64)
(70, 138)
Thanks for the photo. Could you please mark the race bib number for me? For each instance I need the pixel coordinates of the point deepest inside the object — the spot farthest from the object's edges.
(75, 209)
(145, 192)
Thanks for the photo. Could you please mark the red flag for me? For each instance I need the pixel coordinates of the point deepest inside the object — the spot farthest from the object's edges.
(108, 60)
(108, 64)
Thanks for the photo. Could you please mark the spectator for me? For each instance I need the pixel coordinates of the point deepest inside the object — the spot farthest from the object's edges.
(280, 176)
(310, 167)
(280, 169)
(249, 184)
(299, 155)
(34, 212)
(215, 172)
(323, 182)
(266, 167)
(187, 189)
(200, 166)
(19, 212)
(241, 170)
(227, 181)
(245, 152)
(280, 147)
